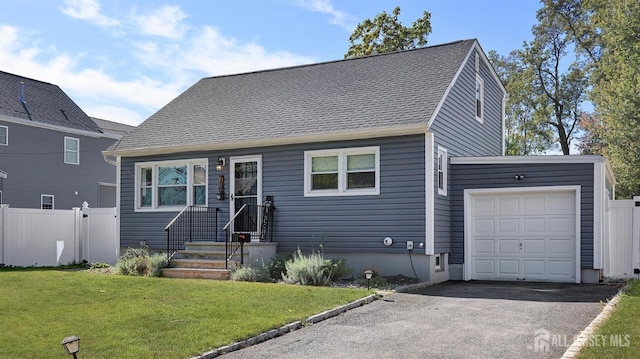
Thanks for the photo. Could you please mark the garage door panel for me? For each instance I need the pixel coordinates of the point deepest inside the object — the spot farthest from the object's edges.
(508, 246)
(484, 206)
(561, 225)
(561, 247)
(484, 266)
(485, 246)
(523, 236)
(508, 205)
(534, 246)
(533, 225)
(533, 204)
(533, 267)
(508, 267)
(484, 225)
(508, 225)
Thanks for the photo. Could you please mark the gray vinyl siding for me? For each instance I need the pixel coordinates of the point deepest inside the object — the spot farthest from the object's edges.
(341, 224)
(457, 130)
(34, 162)
(467, 176)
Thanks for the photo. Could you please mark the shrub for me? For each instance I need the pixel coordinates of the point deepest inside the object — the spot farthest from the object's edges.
(277, 268)
(308, 270)
(137, 261)
(259, 272)
(338, 269)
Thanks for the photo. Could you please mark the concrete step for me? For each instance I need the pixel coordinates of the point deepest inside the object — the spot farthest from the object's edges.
(205, 246)
(199, 263)
(196, 273)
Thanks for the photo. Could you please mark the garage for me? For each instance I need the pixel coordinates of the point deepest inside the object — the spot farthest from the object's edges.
(522, 234)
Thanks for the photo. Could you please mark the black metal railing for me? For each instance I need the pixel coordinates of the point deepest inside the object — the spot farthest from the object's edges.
(193, 223)
(251, 222)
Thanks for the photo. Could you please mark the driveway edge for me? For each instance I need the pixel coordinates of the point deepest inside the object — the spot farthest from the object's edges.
(583, 338)
(287, 328)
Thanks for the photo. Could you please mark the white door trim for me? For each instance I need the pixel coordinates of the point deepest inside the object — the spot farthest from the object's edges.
(469, 193)
(232, 162)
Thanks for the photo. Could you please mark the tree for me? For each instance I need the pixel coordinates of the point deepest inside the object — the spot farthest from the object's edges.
(560, 92)
(526, 129)
(616, 86)
(591, 141)
(386, 34)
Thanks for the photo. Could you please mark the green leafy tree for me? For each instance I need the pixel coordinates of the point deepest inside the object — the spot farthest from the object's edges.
(385, 33)
(616, 86)
(526, 132)
(560, 92)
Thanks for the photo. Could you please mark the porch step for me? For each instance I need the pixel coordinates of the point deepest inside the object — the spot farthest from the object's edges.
(196, 273)
(200, 263)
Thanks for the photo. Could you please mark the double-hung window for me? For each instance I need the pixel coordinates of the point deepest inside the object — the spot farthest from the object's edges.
(342, 172)
(4, 136)
(71, 150)
(170, 185)
(442, 171)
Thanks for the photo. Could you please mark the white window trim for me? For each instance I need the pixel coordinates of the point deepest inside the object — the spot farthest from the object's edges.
(480, 81)
(445, 169)
(68, 150)
(53, 201)
(6, 131)
(154, 186)
(342, 154)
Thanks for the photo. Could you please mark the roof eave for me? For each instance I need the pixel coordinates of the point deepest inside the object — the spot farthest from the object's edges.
(252, 143)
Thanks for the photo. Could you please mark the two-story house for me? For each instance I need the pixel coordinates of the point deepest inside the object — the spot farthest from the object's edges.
(393, 161)
(50, 150)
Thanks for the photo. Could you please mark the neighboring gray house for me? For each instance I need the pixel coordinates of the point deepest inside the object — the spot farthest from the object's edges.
(50, 150)
(364, 158)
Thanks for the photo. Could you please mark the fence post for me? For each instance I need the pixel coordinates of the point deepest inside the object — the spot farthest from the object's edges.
(77, 216)
(636, 233)
(3, 229)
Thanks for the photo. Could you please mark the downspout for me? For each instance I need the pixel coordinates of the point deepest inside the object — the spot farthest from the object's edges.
(23, 102)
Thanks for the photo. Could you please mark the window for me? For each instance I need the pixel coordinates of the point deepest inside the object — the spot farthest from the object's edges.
(171, 185)
(443, 163)
(479, 91)
(439, 262)
(46, 201)
(342, 172)
(4, 136)
(71, 150)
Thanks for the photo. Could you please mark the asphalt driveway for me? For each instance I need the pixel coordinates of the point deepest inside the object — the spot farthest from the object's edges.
(450, 320)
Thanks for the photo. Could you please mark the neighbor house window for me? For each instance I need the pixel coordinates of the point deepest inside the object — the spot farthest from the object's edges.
(348, 171)
(442, 171)
(4, 135)
(170, 185)
(71, 150)
(46, 201)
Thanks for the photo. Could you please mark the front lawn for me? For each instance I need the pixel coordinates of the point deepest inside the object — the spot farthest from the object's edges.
(619, 336)
(141, 317)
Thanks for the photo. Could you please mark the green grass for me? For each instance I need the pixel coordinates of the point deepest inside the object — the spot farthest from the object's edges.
(141, 317)
(619, 336)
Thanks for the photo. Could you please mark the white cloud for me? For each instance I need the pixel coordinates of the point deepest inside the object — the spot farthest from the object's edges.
(338, 17)
(213, 54)
(164, 22)
(88, 10)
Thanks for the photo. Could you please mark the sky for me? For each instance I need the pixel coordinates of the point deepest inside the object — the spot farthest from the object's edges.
(122, 60)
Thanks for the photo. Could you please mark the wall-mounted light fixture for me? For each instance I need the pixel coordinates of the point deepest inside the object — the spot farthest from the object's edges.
(220, 164)
(519, 177)
(71, 344)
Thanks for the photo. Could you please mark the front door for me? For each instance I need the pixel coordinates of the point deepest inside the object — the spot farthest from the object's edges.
(246, 188)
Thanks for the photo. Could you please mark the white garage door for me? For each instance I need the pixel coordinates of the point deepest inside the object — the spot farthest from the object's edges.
(522, 236)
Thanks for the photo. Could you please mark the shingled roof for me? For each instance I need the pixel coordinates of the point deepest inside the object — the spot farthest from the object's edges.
(43, 102)
(389, 91)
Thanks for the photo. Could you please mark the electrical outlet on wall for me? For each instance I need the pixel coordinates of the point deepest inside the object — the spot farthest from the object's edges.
(409, 245)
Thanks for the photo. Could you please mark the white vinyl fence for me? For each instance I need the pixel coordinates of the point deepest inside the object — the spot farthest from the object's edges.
(34, 237)
(622, 246)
